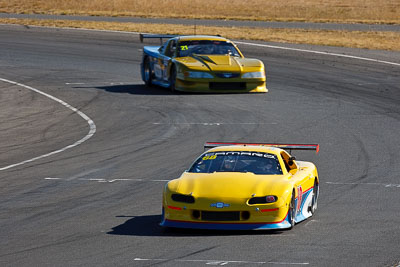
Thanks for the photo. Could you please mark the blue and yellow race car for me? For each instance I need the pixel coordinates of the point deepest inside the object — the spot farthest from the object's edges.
(239, 186)
(201, 64)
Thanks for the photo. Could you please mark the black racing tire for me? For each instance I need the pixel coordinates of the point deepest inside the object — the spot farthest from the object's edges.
(314, 201)
(172, 79)
(292, 210)
(148, 75)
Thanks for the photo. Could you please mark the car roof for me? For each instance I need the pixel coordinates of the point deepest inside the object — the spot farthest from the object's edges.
(258, 148)
(202, 37)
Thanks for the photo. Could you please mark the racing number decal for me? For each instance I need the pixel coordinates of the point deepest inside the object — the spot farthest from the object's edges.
(209, 157)
(299, 197)
(184, 47)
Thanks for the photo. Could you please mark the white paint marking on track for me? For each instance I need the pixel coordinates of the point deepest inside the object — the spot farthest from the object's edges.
(237, 42)
(226, 262)
(91, 123)
(115, 180)
(310, 222)
(92, 126)
(123, 180)
(95, 179)
(378, 184)
(321, 53)
(222, 262)
(103, 180)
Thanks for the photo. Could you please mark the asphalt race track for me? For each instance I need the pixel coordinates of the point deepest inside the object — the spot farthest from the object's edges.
(91, 196)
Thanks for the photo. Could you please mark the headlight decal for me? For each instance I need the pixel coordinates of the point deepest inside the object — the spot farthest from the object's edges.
(197, 75)
(257, 74)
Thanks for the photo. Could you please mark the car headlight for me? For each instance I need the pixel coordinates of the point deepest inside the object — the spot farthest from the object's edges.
(198, 75)
(262, 200)
(256, 74)
(182, 198)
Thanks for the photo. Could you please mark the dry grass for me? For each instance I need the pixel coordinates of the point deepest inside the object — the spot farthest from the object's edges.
(370, 40)
(364, 11)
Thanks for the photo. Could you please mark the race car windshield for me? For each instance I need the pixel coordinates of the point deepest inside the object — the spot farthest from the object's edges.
(237, 161)
(206, 47)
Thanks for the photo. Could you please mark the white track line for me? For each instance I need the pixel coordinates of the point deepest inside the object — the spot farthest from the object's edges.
(92, 126)
(379, 184)
(91, 123)
(102, 180)
(226, 262)
(320, 53)
(238, 42)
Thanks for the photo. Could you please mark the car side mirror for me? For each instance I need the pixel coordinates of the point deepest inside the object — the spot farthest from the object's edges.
(291, 161)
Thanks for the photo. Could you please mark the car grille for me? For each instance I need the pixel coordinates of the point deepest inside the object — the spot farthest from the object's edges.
(220, 215)
(227, 86)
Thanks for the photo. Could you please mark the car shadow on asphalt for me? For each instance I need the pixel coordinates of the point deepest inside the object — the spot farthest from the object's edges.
(135, 89)
(141, 89)
(149, 226)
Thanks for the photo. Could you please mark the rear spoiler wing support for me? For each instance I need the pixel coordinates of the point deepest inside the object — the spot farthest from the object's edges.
(290, 147)
(155, 36)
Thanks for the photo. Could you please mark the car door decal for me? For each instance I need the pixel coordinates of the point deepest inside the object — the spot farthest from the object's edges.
(165, 69)
(158, 68)
(299, 197)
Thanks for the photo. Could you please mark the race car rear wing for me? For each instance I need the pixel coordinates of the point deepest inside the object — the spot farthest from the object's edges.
(160, 36)
(290, 147)
(155, 36)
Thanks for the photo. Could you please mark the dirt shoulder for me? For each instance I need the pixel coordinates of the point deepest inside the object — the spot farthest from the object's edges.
(371, 39)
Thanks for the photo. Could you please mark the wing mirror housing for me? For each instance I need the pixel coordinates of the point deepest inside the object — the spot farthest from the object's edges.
(291, 161)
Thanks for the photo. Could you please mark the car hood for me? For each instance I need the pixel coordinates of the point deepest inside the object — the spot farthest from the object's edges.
(220, 63)
(231, 184)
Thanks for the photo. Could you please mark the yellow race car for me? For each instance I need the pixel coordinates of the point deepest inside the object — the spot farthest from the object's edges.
(201, 64)
(243, 186)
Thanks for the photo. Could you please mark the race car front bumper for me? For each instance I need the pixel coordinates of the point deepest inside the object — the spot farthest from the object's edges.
(192, 224)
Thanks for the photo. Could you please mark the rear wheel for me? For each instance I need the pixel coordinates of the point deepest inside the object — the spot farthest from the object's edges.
(147, 72)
